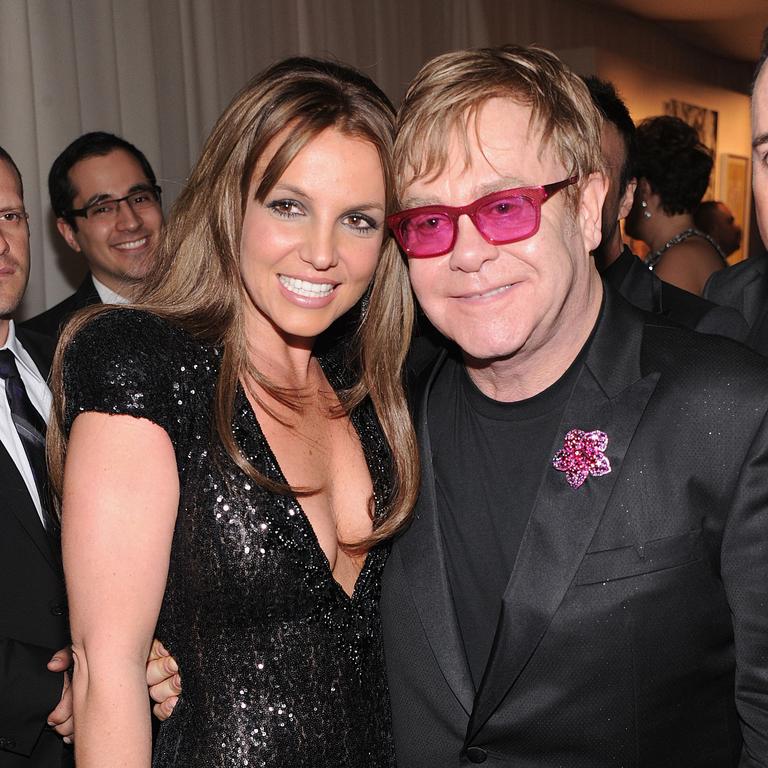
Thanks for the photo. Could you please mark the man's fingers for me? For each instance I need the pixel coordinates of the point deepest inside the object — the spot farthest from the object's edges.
(157, 651)
(61, 660)
(160, 669)
(164, 710)
(168, 688)
(61, 718)
(66, 729)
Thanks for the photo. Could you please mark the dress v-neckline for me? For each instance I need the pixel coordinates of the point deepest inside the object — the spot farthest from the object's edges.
(314, 543)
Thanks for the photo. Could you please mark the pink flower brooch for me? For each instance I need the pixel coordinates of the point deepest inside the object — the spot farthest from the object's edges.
(582, 455)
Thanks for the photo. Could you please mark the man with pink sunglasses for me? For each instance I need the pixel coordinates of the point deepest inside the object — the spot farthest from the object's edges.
(585, 580)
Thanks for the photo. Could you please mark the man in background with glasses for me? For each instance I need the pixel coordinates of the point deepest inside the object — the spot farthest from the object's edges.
(585, 580)
(35, 698)
(107, 203)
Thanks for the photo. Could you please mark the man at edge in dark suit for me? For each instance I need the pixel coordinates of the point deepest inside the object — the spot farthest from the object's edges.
(745, 285)
(107, 204)
(35, 698)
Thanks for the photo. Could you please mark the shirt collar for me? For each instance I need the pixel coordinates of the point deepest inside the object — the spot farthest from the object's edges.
(22, 356)
(106, 294)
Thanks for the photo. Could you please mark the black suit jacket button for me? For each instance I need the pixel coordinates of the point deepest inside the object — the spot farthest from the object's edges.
(6, 743)
(57, 609)
(477, 755)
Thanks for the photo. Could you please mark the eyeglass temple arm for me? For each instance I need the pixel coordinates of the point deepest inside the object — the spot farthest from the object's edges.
(556, 186)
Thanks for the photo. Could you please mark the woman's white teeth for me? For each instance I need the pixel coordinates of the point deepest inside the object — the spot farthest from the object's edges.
(303, 288)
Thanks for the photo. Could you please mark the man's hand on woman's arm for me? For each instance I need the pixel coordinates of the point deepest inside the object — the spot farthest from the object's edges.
(60, 719)
(163, 680)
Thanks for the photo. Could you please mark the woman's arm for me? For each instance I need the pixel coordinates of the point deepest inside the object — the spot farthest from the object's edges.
(120, 499)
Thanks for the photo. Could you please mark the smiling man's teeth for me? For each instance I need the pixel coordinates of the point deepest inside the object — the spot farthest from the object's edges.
(303, 288)
(132, 244)
(494, 291)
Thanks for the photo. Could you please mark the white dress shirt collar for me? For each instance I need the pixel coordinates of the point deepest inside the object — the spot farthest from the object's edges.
(106, 294)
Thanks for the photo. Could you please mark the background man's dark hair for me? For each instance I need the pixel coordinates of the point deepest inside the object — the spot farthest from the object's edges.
(761, 58)
(94, 144)
(614, 110)
(8, 159)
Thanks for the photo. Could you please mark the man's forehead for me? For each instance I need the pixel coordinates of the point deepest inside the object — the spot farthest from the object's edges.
(760, 105)
(10, 186)
(435, 188)
(113, 173)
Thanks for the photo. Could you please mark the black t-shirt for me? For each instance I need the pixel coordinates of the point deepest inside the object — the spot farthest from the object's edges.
(488, 457)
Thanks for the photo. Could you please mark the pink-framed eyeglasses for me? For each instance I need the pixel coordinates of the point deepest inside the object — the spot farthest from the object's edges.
(501, 218)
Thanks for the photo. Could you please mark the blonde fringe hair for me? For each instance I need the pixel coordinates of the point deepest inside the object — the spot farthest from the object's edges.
(446, 95)
(195, 281)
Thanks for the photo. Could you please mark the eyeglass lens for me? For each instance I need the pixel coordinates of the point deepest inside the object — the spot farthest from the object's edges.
(138, 201)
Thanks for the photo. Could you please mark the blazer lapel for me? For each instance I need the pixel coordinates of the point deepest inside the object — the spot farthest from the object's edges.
(639, 287)
(17, 501)
(423, 559)
(610, 395)
(753, 296)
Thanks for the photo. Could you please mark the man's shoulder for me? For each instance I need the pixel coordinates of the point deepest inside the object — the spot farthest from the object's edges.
(690, 356)
(50, 321)
(39, 346)
(702, 314)
(724, 283)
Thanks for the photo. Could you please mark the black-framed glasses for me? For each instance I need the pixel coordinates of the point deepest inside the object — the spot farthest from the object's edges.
(138, 200)
(501, 218)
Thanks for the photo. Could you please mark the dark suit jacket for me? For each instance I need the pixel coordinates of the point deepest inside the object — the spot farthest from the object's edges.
(744, 286)
(638, 603)
(52, 320)
(639, 286)
(33, 623)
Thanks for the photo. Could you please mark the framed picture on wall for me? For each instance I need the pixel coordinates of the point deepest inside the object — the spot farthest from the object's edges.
(705, 122)
(734, 192)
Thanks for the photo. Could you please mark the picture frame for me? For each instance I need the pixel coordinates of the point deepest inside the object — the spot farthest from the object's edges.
(734, 192)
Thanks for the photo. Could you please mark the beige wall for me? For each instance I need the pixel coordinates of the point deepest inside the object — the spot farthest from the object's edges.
(160, 71)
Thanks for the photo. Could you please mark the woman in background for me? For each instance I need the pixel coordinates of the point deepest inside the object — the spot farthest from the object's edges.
(673, 169)
(239, 447)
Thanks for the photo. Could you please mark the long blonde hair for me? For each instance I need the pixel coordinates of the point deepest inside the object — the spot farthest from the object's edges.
(195, 281)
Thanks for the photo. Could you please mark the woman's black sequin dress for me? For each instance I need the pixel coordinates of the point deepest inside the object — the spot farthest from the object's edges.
(279, 666)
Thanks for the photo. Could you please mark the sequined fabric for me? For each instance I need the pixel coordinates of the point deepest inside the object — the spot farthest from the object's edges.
(279, 666)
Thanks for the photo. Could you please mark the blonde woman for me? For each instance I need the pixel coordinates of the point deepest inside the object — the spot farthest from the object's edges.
(239, 448)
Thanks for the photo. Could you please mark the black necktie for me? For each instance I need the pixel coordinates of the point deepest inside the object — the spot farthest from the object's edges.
(29, 425)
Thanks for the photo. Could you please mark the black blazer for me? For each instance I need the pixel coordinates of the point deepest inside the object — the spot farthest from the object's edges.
(638, 603)
(642, 288)
(33, 623)
(52, 320)
(744, 286)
